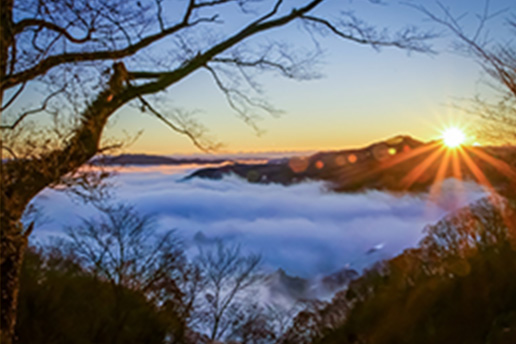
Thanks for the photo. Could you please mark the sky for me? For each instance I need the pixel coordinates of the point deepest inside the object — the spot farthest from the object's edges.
(363, 95)
(304, 229)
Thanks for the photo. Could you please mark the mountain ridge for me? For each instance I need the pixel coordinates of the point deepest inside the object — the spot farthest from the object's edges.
(397, 164)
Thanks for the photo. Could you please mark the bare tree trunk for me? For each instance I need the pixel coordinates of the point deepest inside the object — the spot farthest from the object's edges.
(6, 36)
(13, 248)
(22, 180)
(13, 242)
(215, 329)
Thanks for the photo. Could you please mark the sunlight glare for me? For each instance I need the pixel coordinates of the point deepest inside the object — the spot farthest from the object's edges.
(453, 137)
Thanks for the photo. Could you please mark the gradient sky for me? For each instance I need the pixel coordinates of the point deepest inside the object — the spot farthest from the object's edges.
(363, 96)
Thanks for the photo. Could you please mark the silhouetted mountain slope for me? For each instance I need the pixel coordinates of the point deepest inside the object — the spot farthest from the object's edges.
(144, 159)
(401, 163)
(457, 286)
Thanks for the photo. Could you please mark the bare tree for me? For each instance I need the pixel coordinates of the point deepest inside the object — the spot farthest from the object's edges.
(264, 323)
(229, 278)
(123, 248)
(255, 326)
(89, 59)
(496, 56)
(211, 293)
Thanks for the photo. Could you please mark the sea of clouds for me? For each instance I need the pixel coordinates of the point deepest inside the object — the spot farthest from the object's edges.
(304, 228)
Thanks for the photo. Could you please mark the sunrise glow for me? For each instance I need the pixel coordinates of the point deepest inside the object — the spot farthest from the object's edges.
(453, 137)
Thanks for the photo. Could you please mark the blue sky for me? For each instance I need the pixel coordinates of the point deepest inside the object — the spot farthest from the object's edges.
(364, 95)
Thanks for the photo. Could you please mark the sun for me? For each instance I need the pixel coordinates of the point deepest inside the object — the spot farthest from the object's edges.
(453, 137)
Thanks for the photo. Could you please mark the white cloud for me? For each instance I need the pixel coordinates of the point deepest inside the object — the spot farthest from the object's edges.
(302, 228)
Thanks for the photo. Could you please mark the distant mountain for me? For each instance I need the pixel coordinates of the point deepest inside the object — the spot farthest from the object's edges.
(144, 159)
(280, 285)
(400, 163)
(335, 281)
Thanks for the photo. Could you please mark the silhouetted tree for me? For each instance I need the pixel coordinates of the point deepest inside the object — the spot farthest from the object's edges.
(229, 279)
(91, 58)
(122, 247)
(253, 326)
(497, 57)
(308, 325)
(212, 293)
(263, 323)
(62, 302)
(455, 287)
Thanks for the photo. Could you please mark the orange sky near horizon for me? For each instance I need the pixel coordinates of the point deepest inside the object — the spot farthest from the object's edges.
(345, 109)
(363, 96)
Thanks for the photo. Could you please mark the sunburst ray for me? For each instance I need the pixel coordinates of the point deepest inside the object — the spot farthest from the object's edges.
(435, 189)
(417, 171)
(500, 165)
(476, 171)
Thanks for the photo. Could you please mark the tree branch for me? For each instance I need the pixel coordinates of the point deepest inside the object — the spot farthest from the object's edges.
(56, 60)
(201, 59)
(40, 23)
(43, 107)
(490, 62)
(193, 137)
(235, 98)
(407, 39)
(13, 98)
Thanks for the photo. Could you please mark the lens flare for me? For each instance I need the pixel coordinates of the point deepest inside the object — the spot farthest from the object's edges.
(453, 137)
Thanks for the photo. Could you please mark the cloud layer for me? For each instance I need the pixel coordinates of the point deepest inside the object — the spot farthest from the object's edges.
(302, 228)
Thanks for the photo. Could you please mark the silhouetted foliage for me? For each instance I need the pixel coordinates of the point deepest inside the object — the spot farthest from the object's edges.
(61, 302)
(122, 247)
(253, 326)
(228, 279)
(456, 287)
(114, 273)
